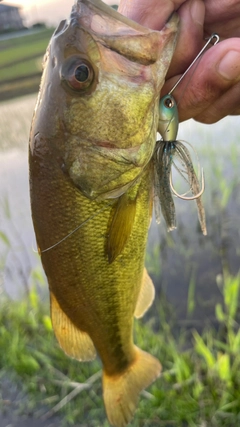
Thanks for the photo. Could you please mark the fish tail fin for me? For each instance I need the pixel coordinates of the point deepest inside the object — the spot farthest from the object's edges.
(121, 391)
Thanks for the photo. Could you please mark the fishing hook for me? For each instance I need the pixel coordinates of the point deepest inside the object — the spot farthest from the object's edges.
(213, 36)
(180, 196)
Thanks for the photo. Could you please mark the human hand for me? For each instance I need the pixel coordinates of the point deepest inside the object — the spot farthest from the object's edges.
(212, 90)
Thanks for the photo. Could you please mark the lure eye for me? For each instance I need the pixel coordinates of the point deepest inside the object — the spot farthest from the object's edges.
(78, 73)
(169, 102)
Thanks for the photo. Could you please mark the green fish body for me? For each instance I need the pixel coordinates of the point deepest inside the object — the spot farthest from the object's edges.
(92, 140)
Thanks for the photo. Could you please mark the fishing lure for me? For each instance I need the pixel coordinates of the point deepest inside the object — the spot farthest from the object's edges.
(169, 150)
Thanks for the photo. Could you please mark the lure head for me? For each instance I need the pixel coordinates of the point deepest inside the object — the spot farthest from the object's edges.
(98, 103)
(168, 118)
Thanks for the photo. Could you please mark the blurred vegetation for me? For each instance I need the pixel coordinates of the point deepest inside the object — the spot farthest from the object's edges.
(21, 63)
(200, 383)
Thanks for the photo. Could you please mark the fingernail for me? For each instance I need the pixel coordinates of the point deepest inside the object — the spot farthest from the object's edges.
(197, 10)
(229, 66)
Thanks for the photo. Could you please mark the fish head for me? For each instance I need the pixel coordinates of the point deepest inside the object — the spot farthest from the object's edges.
(97, 109)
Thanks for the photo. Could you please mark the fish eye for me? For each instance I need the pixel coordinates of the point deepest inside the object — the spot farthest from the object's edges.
(78, 73)
(82, 73)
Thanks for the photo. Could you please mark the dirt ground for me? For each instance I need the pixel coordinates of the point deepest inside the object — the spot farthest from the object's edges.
(12, 421)
(12, 403)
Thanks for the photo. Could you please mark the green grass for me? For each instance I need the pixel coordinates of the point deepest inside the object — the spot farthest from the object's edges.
(22, 52)
(198, 386)
(21, 58)
(25, 68)
(26, 39)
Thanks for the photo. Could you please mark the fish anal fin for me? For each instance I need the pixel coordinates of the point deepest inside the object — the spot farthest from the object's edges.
(146, 295)
(121, 226)
(74, 342)
(121, 392)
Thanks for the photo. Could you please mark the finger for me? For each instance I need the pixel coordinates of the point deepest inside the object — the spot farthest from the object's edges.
(236, 111)
(154, 14)
(223, 17)
(225, 105)
(150, 13)
(190, 39)
(201, 94)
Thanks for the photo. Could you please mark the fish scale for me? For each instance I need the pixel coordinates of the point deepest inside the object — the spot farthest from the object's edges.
(84, 267)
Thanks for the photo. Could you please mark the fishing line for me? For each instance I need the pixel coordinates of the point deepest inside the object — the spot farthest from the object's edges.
(213, 36)
(199, 56)
(183, 196)
(181, 171)
(169, 147)
(73, 231)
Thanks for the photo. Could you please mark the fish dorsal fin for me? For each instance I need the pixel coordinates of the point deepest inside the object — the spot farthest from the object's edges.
(74, 342)
(146, 295)
(121, 226)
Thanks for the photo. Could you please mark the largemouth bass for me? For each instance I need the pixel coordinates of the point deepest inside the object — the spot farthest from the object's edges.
(91, 175)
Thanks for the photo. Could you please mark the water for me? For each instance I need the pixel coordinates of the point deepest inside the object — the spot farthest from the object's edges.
(174, 259)
(189, 260)
(18, 255)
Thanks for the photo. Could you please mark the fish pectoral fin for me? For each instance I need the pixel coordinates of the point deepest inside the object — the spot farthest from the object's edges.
(121, 226)
(121, 392)
(146, 295)
(74, 342)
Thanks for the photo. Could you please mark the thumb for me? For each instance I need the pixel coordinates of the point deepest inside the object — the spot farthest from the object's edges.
(154, 14)
(150, 13)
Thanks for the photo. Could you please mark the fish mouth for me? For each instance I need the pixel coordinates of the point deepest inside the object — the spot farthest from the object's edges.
(99, 7)
(121, 34)
(137, 155)
(115, 146)
(106, 144)
(115, 169)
